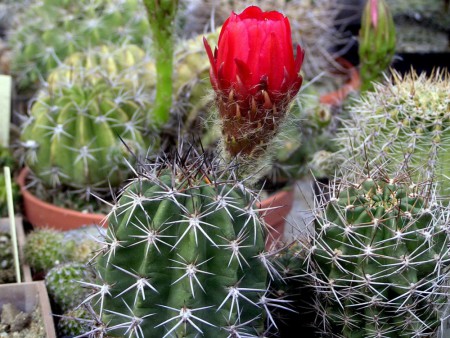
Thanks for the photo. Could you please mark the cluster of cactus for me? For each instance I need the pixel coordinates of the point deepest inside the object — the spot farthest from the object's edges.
(94, 108)
(404, 125)
(198, 264)
(44, 250)
(50, 30)
(378, 258)
(312, 25)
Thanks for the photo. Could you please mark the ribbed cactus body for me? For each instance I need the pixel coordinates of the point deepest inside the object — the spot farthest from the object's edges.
(404, 126)
(76, 126)
(49, 31)
(378, 259)
(182, 257)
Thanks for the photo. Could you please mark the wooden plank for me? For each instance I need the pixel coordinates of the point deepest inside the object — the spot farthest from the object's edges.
(5, 109)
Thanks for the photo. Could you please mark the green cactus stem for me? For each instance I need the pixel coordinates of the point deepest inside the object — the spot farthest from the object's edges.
(183, 256)
(161, 16)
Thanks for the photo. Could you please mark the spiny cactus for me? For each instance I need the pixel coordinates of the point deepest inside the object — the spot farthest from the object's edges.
(198, 265)
(44, 250)
(50, 30)
(378, 258)
(73, 136)
(64, 286)
(404, 125)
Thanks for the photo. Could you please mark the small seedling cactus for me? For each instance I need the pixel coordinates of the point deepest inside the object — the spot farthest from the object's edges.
(78, 124)
(197, 244)
(378, 258)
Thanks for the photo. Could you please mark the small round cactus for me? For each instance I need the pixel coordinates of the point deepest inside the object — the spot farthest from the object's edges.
(404, 126)
(44, 250)
(91, 113)
(50, 30)
(378, 258)
(64, 284)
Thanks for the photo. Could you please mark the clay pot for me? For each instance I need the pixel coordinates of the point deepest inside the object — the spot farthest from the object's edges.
(42, 214)
(279, 205)
(352, 84)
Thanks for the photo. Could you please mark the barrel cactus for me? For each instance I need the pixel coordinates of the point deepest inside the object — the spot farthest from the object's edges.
(404, 125)
(378, 258)
(198, 256)
(48, 31)
(92, 105)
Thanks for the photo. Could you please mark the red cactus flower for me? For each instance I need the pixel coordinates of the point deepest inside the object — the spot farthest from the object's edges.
(255, 76)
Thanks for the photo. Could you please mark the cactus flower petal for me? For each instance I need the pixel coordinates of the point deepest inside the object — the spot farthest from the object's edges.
(255, 75)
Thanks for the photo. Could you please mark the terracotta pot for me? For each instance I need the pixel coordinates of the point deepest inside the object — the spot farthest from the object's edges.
(42, 214)
(279, 205)
(352, 84)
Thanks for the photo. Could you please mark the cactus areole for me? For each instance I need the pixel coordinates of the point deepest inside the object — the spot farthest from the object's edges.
(182, 258)
(255, 75)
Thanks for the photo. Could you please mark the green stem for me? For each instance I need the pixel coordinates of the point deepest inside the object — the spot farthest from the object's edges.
(164, 85)
(161, 16)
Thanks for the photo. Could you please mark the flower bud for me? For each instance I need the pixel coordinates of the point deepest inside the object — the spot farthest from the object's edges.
(255, 76)
(376, 42)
